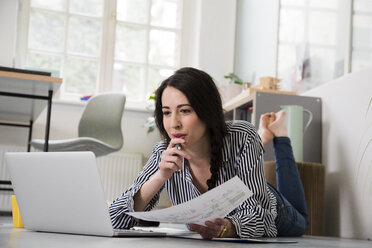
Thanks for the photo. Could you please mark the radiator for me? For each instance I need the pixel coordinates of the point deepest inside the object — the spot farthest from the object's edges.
(117, 172)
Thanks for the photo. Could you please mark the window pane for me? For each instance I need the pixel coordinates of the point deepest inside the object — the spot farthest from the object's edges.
(84, 36)
(163, 48)
(130, 44)
(286, 58)
(328, 4)
(321, 67)
(44, 61)
(87, 7)
(81, 76)
(319, 25)
(361, 60)
(291, 25)
(46, 31)
(286, 64)
(136, 11)
(322, 28)
(129, 79)
(363, 5)
(50, 4)
(155, 77)
(322, 64)
(292, 2)
(166, 13)
(362, 32)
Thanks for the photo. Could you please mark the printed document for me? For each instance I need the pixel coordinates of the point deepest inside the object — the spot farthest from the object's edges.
(216, 203)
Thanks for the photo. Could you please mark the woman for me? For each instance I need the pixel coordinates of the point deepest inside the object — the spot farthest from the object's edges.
(188, 112)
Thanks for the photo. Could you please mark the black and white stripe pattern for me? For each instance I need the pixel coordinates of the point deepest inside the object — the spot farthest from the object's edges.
(242, 156)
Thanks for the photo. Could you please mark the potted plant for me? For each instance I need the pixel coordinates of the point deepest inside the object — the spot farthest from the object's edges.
(234, 78)
(232, 88)
(150, 122)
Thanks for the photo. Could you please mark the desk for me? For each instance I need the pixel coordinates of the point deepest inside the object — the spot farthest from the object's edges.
(21, 238)
(23, 97)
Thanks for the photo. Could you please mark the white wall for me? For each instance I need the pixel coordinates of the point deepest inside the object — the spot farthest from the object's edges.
(8, 24)
(217, 37)
(209, 36)
(256, 36)
(347, 154)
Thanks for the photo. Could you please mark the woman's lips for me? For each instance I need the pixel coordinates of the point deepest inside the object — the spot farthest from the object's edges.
(180, 136)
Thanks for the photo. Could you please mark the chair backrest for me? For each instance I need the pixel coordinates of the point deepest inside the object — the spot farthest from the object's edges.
(101, 119)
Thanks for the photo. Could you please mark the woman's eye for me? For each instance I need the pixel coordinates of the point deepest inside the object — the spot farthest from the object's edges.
(166, 113)
(185, 111)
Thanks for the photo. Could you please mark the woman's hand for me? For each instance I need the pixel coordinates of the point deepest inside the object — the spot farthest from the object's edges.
(171, 159)
(214, 229)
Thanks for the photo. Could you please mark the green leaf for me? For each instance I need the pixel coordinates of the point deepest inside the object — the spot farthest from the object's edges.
(152, 96)
(234, 78)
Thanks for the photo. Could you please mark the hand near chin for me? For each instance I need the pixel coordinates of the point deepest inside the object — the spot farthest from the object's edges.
(212, 229)
(171, 159)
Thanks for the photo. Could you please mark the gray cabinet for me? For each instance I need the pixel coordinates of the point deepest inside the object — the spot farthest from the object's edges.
(251, 106)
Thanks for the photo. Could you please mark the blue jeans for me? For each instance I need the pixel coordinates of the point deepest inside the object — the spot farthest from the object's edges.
(292, 219)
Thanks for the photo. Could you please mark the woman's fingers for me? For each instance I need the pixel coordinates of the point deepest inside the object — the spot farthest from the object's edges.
(204, 231)
(172, 158)
(221, 221)
(215, 227)
(212, 229)
(174, 163)
(171, 161)
(175, 141)
(178, 151)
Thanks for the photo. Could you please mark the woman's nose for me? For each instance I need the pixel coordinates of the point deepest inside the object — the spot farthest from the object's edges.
(176, 123)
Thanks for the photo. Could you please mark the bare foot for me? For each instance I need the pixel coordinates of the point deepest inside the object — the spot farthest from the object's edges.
(278, 127)
(263, 130)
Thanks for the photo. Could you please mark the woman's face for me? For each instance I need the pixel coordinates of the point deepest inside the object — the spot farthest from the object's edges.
(179, 118)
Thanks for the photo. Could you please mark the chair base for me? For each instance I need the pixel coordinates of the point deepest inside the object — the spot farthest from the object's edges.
(99, 148)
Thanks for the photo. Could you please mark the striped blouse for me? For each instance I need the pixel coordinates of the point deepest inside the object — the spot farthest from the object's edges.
(242, 156)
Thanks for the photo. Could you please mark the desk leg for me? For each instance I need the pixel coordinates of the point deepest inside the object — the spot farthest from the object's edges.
(49, 110)
(29, 136)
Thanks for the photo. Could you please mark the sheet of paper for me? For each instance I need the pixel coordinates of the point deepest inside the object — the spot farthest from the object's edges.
(169, 231)
(238, 240)
(216, 203)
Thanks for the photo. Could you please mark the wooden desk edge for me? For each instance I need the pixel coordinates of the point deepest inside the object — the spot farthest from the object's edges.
(237, 101)
(27, 76)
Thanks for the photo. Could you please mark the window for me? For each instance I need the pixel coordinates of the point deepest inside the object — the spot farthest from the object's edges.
(98, 45)
(147, 45)
(362, 35)
(314, 44)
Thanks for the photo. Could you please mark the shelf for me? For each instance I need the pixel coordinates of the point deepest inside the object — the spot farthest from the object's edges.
(247, 96)
(250, 106)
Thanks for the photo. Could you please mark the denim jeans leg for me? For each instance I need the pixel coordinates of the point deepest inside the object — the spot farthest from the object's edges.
(288, 179)
(289, 221)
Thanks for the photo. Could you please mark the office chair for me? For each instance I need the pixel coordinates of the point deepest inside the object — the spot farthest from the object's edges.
(99, 127)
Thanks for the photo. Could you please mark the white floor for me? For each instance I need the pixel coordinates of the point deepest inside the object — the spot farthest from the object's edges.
(306, 241)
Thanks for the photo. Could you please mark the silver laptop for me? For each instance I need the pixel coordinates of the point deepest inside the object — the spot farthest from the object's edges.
(61, 192)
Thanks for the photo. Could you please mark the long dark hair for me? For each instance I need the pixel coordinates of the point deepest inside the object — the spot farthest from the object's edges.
(204, 98)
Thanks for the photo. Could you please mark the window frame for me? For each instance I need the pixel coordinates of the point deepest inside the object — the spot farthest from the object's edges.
(348, 47)
(106, 58)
